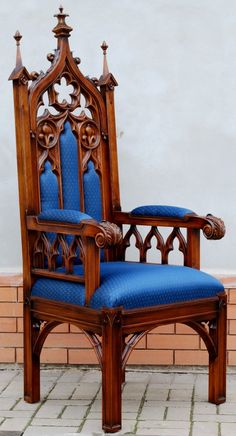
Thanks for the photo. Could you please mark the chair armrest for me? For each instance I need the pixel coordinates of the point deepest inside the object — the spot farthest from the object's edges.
(212, 227)
(74, 222)
(161, 211)
(92, 236)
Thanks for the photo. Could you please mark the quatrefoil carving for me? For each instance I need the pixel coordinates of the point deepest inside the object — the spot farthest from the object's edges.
(89, 134)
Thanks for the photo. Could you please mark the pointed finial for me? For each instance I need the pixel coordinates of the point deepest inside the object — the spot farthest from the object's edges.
(61, 29)
(18, 37)
(104, 48)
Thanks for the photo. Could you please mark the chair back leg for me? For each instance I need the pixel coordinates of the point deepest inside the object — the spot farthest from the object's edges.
(31, 359)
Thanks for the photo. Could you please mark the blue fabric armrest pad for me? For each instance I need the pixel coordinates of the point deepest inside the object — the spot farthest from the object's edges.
(64, 215)
(161, 211)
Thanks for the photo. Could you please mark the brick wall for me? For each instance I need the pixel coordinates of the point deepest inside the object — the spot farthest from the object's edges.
(166, 345)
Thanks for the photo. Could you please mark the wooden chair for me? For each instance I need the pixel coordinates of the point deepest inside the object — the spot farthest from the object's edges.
(73, 243)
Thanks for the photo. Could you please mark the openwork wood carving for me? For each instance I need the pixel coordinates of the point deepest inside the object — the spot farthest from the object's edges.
(165, 247)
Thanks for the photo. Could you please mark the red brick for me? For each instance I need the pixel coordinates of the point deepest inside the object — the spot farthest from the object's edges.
(11, 340)
(66, 340)
(20, 295)
(8, 325)
(231, 342)
(231, 357)
(181, 342)
(168, 328)
(19, 355)
(20, 326)
(85, 357)
(151, 357)
(8, 294)
(62, 328)
(231, 311)
(11, 309)
(54, 355)
(232, 327)
(11, 280)
(7, 355)
(191, 357)
(184, 329)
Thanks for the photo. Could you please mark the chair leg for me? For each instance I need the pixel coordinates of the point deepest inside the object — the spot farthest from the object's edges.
(111, 371)
(217, 366)
(31, 360)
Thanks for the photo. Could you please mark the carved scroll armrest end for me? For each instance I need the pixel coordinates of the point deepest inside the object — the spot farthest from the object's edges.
(109, 235)
(214, 227)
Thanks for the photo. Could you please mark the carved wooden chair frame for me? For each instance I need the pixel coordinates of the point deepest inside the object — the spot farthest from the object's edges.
(113, 332)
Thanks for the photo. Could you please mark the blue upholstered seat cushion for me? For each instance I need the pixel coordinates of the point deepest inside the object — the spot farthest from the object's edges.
(64, 215)
(161, 210)
(133, 285)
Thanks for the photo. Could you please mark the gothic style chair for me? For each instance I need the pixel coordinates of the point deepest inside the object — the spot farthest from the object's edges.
(73, 242)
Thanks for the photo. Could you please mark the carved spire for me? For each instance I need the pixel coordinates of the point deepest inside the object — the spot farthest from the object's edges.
(104, 48)
(62, 29)
(19, 72)
(18, 37)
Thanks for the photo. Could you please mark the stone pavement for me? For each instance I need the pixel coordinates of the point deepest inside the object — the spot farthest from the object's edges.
(156, 402)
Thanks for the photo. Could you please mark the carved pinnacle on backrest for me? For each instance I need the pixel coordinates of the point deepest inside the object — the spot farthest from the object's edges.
(20, 72)
(61, 29)
(18, 37)
(104, 48)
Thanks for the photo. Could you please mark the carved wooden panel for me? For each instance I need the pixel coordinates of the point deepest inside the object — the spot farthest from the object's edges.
(164, 246)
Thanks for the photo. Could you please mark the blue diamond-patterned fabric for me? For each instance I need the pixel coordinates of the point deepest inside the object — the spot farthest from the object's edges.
(92, 192)
(161, 211)
(133, 285)
(48, 188)
(69, 168)
(62, 215)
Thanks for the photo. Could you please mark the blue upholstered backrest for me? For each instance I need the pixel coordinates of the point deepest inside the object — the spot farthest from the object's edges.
(70, 176)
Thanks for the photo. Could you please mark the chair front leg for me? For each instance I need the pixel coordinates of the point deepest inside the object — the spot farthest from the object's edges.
(111, 370)
(217, 365)
(31, 359)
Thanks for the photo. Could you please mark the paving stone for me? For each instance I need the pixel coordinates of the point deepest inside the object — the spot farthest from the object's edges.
(152, 413)
(137, 376)
(74, 412)
(164, 424)
(133, 391)
(62, 391)
(50, 409)
(22, 405)
(178, 413)
(205, 428)
(56, 422)
(16, 424)
(227, 408)
(50, 431)
(182, 379)
(86, 390)
(92, 376)
(93, 425)
(7, 403)
(13, 390)
(162, 378)
(214, 418)
(228, 429)
(71, 376)
(11, 433)
(205, 408)
(182, 395)
(155, 393)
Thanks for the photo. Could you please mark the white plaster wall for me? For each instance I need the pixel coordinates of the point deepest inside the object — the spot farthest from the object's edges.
(175, 61)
